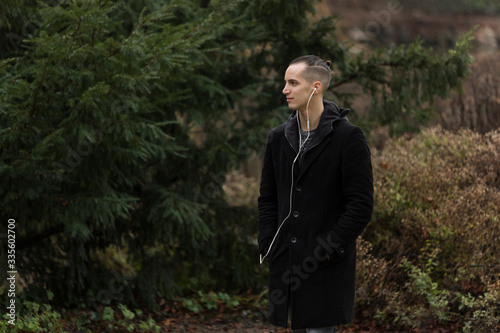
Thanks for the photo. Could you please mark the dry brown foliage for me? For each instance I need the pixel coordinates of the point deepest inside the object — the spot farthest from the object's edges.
(435, 231)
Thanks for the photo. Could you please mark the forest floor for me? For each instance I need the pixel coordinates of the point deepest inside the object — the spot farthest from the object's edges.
(227, 323)
(175, 318)
(243, 319)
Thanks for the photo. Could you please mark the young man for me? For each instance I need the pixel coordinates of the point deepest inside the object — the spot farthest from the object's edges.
(316, 197)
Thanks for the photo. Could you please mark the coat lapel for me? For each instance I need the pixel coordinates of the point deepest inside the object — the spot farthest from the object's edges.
(311, 155)
(292, 133)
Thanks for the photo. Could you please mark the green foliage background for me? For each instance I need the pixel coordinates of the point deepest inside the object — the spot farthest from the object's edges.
(119, 121)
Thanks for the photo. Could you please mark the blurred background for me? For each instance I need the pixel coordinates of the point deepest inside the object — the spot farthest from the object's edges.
(131, 137)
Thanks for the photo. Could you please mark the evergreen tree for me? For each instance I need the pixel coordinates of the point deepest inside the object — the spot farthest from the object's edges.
(120, 120)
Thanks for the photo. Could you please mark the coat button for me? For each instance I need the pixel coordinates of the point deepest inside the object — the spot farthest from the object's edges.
(341, 250)
(293, 240)
(298, 188)
(295, 214)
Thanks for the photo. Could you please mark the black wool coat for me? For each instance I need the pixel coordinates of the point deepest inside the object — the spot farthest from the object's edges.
(312, 260)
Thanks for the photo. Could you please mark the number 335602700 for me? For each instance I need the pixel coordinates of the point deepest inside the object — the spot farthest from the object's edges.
(11, 235)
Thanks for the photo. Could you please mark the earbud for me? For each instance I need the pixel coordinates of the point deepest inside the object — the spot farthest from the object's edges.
(315, 89)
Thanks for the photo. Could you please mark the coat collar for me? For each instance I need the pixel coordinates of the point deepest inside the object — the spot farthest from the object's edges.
(330, 115)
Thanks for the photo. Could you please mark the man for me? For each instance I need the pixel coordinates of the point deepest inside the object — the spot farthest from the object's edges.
(316, 197)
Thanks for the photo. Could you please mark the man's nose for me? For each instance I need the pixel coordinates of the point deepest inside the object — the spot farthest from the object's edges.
(285, 90)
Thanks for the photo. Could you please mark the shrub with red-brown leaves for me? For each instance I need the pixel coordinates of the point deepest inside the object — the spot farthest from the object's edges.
(431, 255)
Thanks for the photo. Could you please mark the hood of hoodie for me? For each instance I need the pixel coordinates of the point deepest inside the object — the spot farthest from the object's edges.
(331, 114)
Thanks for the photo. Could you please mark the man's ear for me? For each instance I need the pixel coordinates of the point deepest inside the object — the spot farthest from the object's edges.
(318, 86)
